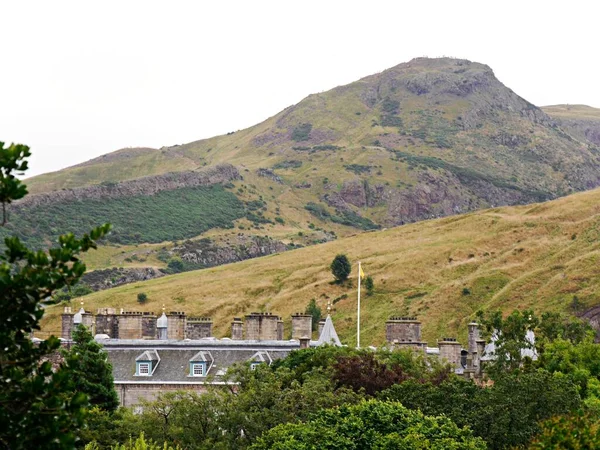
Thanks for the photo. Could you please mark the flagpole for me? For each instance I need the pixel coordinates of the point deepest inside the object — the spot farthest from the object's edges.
(358, 312)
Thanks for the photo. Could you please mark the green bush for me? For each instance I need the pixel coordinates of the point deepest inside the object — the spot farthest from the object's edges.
(369, 285)
(341, 267)
(347, 217)
(175, 265)
(142, 297)
(302, 132)
(358, 168)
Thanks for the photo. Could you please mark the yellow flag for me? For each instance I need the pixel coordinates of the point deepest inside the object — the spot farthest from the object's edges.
(361, 274)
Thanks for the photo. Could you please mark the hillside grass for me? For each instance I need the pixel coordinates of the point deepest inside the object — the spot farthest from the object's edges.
(573, 112)
(544, 256)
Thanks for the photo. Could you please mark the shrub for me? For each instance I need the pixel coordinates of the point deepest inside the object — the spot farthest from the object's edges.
(315, 312)
(302, 132)
(142, 297)
(369, 285)
(341, 267)
(175, 265)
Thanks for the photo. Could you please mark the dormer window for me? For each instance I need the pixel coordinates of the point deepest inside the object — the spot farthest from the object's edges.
(197, 369)
(144, 368)
(200, 364)
(260, 358)
(146, 363)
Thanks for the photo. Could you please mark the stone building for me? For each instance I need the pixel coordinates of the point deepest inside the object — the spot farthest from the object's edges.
(152, 354)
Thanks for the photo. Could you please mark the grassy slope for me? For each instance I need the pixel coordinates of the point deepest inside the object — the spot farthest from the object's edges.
(573, 112)
(537, 256)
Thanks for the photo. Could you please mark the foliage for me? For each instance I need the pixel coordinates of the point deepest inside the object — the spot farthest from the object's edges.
(167, 215)
(341, 267)
(142, 297)
(175, 265)
(390, 106)
(580, 361)
(369, 285)
(68, 293)
(370, 424)
(358, 168)
(346, 217)
(388, 120)
(288, 164)
(227, 418)
(577, 431)
(140, 443)
(554, 326)
(12, 164)
(367, 374)
(511, 337)
(106, 429)
(301, 132)
(91, 372)
(315, 312)
(38, 406)
(505, 414)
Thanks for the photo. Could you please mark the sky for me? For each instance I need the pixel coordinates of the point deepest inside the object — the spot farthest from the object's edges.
(80, 79)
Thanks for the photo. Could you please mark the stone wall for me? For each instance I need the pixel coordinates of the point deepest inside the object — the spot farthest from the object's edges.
(131, 395)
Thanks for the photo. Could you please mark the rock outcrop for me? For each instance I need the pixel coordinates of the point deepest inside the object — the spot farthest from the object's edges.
(99, 280)
(222, 173)
(207, 253)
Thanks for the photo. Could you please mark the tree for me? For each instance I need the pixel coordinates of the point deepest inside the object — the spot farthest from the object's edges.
(369, 285)
(91, 372)
(370, 424)
(175, 265)
(315, 312)
(505, 414)
(511, 337)
(38, 406)
(341, 268)
(142, 297)
(577, 432)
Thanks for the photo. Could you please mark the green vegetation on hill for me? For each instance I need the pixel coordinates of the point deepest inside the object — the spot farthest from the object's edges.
(165, 216)
(543, 257)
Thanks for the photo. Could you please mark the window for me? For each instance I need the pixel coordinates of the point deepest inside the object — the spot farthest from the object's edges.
(144, 369)
(197, 370)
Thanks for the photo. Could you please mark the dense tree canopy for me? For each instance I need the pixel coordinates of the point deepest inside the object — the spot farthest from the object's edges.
(370, 424)
(38, 406)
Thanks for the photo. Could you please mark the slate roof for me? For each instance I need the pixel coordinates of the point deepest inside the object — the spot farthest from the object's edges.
(175, 357)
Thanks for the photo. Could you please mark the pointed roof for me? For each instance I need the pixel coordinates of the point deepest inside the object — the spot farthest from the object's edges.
(261, 357)
(328, 334)
(162, 321)
(78, 316)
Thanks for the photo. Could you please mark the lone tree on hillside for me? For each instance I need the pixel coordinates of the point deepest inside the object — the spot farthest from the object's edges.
(91, 372)
(38, 406)
(341, 267)
(315, 312)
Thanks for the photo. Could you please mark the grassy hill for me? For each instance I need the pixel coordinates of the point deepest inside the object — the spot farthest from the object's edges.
(544, 256)
(581, 121)
(427, 138)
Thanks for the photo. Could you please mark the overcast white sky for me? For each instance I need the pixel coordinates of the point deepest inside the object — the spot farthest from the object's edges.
(79, 79)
